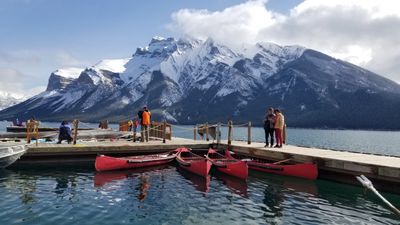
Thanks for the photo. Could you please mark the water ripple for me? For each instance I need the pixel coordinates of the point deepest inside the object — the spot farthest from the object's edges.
(167, 196)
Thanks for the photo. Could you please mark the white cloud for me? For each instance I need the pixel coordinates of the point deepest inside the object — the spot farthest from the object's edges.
(12, 82)
(64, 59)
(364, 32)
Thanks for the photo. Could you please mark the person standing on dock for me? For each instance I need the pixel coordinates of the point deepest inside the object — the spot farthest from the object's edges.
(145, 116)
(269, 126)
(279, 125)
(65, 133)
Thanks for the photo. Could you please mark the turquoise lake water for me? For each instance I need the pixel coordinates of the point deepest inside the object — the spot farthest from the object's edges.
(166, 195)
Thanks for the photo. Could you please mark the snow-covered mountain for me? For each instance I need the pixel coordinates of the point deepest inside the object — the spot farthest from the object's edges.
(190, 81)
(8, 99)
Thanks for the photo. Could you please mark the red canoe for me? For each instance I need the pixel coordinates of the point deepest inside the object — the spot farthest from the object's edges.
(193, 163)
(228, 165)
(303, 170)
(104, 163)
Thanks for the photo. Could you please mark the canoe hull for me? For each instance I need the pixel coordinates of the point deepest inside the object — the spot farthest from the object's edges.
(228, 165)
(193, 163)
(305, 170)
(106, 163)
(199, 167)
(237, 169)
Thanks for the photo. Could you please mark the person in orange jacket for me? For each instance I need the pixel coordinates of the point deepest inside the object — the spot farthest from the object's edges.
(145, 116)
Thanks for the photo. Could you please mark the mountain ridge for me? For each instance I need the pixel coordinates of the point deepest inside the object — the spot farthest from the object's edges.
(192, 81)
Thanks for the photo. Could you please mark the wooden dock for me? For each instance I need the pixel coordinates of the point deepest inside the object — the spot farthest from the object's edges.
(340, 166)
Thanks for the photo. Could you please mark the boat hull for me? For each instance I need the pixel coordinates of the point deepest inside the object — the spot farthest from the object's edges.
(237, 169)
(193, 163)
(228, 165)
(106, 163)
(305, 170)
(10, 154)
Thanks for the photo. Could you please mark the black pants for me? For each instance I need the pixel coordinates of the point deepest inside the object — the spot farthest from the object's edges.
(61, 138)
(269, 133)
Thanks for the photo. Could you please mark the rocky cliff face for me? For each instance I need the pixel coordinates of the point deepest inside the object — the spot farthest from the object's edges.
(191, 81)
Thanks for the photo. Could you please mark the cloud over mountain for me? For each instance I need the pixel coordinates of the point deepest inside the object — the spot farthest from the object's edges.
(360, 31)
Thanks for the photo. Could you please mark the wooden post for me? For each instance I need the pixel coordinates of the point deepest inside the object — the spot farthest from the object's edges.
(230, 127)
(284, 135)
(218, 133)
(76, 122)
(194, 133)
(249, 133)
(28, 131)
(164, 131)
(37, 131)
(207, 136)
(134, 128)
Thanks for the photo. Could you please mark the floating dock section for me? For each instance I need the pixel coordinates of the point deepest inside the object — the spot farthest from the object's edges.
(334, 165)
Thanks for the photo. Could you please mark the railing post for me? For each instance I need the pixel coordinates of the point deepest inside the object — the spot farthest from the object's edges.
(28, 131)
(194, 133)
(230, 127)
(164, 131)
(218, 133)
(76, 123)
(207, 136)
(249, 133)
(284, 135)
(134, 128)
(37, 131)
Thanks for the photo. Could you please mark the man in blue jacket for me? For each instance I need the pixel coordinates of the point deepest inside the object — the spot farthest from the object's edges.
(65, 133)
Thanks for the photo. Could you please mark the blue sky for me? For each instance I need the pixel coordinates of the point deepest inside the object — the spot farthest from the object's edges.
(40, 36)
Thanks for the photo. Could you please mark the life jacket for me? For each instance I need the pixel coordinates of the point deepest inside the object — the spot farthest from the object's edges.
(146, 118)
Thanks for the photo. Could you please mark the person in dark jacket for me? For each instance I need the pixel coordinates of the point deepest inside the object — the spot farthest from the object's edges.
(269, 124)
(65, 133)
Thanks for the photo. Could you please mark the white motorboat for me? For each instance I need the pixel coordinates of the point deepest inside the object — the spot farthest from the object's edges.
(11, 153)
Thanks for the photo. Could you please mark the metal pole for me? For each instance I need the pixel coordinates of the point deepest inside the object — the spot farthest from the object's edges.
(194, 132)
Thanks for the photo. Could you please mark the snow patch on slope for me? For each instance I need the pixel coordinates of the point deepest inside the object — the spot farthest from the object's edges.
(113, 65)
(71, 72)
